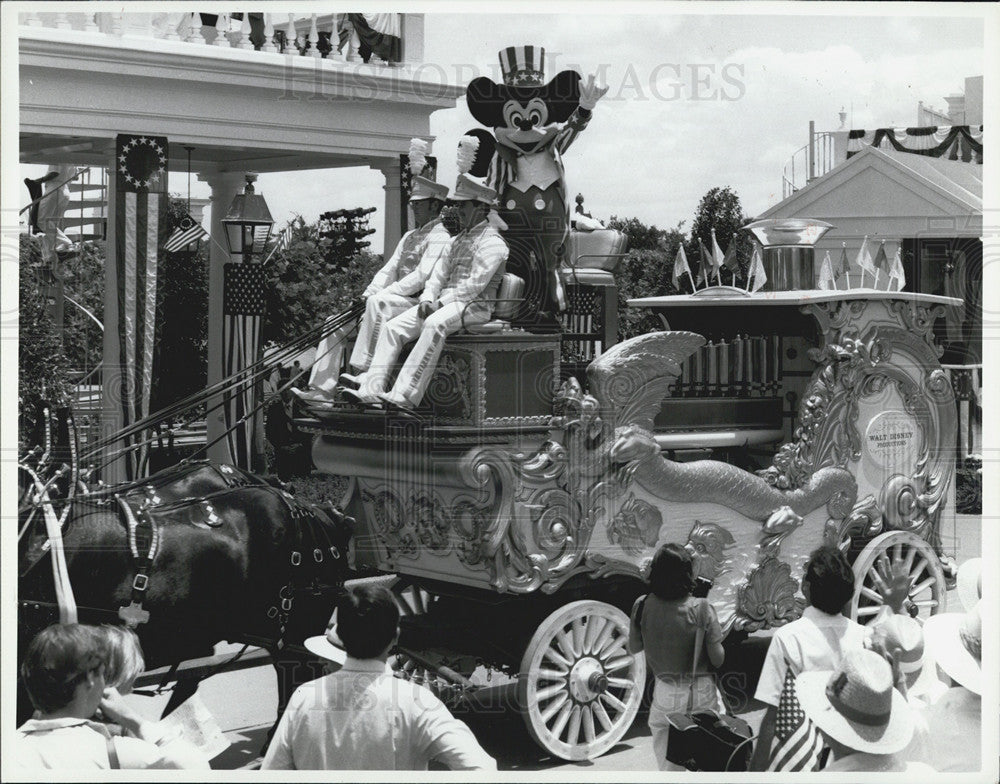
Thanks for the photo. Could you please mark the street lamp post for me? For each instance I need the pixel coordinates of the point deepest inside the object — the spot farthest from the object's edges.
(247, 225)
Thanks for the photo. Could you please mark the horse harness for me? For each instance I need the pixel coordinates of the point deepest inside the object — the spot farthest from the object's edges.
(143, 510)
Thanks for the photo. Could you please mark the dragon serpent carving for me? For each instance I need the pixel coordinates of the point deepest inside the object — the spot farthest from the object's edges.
(548, 503)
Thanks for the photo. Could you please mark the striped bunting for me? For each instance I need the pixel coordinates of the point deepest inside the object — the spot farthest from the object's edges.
(141, 163)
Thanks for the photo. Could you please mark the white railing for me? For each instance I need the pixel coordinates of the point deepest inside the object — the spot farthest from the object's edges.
(808, 162)
(281, 33)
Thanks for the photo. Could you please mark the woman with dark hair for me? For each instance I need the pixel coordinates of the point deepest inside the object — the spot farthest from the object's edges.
(667, 625)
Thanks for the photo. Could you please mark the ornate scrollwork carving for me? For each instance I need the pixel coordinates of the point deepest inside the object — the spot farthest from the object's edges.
(919, 319)
(636, 527)
(710, 546)
(852, 370)
(418, 516)
(767, 597)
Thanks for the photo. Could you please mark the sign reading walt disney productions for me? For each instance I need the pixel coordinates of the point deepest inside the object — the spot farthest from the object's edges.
(892, 439)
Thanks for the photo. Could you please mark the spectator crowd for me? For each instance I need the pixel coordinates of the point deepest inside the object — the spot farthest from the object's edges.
(894, 695)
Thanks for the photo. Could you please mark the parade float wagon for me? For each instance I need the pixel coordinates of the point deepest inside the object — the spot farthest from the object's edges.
(520, 510)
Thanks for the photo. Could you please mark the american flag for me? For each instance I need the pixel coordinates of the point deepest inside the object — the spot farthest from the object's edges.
(141, 192)
(283, 241)
(188, 230)
(243, 307)
(797, 742)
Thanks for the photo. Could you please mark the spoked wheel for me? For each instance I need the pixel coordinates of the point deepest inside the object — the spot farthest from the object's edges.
(579, 687)
(895, 562)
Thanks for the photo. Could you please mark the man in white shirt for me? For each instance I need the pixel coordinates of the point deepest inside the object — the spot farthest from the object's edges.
(460, 293)
(391, 291)
(63, 672)
(362, 717)
(816, 641)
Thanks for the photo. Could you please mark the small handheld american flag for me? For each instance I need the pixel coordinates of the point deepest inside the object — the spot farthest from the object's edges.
(797, 742)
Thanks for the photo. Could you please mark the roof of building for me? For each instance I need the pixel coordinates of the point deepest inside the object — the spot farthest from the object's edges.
(957, 183)
(964, 181)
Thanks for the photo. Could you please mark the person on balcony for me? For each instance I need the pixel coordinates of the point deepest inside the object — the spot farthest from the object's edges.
(392, 291)
(460, 293)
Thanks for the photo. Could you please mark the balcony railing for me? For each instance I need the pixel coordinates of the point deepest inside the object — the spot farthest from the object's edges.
(313, 35)
(808, 162)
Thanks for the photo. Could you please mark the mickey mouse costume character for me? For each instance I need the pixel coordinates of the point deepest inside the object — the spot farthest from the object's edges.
(534, 124)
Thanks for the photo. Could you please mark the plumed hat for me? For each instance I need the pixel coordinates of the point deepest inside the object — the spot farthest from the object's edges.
(472, 189)
(523, 69)
(424, 188)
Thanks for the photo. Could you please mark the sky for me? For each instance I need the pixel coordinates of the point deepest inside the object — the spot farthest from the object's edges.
(694, 101)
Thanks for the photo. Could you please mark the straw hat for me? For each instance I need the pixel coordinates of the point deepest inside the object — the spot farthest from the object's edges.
(970, 583)
(955, 641)
(901, 637)
(857, 705)
(328, 646)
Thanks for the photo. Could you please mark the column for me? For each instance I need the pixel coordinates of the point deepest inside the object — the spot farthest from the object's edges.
(224, 185)
(111, 376)
(394, 215)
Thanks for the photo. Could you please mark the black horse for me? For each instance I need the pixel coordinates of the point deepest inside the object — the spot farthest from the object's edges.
(235, 559)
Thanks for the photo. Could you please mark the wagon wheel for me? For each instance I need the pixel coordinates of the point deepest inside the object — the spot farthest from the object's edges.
(579, 687)
(902, 557)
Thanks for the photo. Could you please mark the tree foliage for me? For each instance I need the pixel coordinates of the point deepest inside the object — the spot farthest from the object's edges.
(41, 362)
(721, 209)
(646, 271)
(308, 283)
(181, 362)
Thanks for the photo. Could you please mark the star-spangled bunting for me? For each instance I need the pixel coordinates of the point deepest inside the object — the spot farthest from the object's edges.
(797, 742)
(243, 307)
(139, 210)
(188, 230)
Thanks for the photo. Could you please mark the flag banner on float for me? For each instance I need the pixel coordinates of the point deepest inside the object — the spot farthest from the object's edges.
(140, 206)
(757, 275)
(243, 308)
(897, 275)
(188, 230)
(826, 280)
(864, 260)
(681, 266)
(729, 261)
(842, 272)
(705, 265)
(881, 263)
(718, 257)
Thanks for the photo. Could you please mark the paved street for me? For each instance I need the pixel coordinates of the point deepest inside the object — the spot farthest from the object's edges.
(244, 702)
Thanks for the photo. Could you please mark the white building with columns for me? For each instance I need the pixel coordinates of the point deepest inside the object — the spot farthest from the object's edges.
(84, 78)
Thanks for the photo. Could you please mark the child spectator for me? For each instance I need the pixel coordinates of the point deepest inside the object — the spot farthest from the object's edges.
(63, 672)
(125, 661)
(665, 625)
